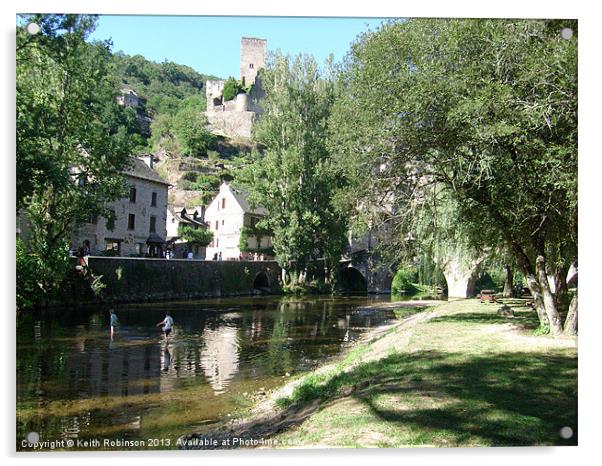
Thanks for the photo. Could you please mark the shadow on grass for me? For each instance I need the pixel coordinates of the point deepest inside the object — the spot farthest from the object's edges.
(507, 399)
(525, 319)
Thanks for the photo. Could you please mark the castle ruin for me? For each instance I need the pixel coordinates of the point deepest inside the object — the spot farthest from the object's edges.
(235, 118)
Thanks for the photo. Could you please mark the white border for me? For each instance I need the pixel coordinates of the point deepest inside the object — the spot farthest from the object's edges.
(589, 183)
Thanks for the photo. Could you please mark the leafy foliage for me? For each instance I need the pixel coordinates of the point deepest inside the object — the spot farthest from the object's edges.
(202, 236)
(295, 179)
(73, 140)
(481, 114)
(164, 85)
(403, 282)
(231, 88)
(183, 133)
(190, 128)
(254, 232)
(206, 183)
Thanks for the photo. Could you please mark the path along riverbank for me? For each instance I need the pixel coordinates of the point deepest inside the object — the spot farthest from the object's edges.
(453, 374)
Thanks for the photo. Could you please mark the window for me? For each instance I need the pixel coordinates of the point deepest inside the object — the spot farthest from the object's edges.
(131, 222)
(111, 221)
(153, 224)
(224, 203)
(222, 223)
(139, 249)
(132, 194)
(154, 200)
(217, 243)
(251, 65)
(112, 245)
(216, 225)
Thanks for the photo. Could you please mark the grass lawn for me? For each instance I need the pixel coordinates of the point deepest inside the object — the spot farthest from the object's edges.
(466, 377)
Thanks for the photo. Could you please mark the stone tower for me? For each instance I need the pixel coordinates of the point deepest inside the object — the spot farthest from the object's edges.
(252, 58)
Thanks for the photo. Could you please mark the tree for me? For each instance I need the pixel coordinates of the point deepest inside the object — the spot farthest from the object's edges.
(72, 140)
(231, 89)
(487, 111)
(295, 179)
(200, 236)
(190, 128)
(163, 135)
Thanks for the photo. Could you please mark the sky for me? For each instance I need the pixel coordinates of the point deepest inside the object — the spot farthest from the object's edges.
(211, 45)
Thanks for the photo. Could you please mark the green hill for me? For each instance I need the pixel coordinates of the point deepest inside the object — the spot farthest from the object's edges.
(164, 85)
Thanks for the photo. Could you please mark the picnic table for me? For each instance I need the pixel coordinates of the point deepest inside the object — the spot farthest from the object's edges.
(488, 296)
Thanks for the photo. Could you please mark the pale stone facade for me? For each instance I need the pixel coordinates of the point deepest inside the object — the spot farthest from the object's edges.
(128, 98)
(235, 118)
(226, 216)
(252, 58)
(139, 227)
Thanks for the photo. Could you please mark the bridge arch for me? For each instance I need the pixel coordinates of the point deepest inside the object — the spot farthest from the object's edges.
(352, 280)
(261, 281)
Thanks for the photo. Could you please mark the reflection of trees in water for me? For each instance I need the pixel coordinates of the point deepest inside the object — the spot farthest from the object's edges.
(219, 356)
(277, 358)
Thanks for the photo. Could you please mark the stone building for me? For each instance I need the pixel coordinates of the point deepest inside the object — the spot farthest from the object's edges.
(252, 58)
(178, 217)
(235, 118)
(128, 98)
(139, 224)
(226, 216)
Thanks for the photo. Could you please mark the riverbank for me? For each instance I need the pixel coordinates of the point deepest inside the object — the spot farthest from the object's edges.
(456, 374)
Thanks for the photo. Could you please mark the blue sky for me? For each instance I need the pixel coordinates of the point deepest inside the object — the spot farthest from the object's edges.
(211, 45)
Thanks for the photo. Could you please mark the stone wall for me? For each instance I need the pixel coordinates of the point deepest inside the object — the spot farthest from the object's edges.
(232, 123)
(141, 279)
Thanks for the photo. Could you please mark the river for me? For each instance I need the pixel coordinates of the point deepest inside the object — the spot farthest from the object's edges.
(76, 382)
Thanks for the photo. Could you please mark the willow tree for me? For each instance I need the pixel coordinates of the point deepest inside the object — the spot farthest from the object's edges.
(487, 109)
(294, 178)
(72, 141)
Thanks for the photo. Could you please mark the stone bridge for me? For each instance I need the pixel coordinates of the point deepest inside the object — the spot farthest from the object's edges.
(144, 279)
(360, 273)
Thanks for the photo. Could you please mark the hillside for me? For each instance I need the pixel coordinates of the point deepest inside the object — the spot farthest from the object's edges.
(172, 103)
(164, 85)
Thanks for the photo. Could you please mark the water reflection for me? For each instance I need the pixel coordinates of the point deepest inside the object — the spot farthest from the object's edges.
(74, 380)
(219, 356)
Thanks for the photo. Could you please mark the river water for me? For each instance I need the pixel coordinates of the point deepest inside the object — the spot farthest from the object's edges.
(76, 382)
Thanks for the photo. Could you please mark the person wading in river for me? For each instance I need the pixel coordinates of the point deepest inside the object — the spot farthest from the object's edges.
(167, 324)
(114, 322)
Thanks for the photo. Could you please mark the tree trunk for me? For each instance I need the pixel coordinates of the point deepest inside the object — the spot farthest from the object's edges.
(508, 282)
(548, 298)
(570, 324)
(535, 289)
(561, 291)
